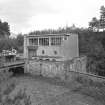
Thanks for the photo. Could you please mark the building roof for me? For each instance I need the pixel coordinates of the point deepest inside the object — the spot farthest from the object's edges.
(44, 35)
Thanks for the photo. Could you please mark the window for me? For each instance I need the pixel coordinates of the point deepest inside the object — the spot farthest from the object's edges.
(56, 40)
(43, 52)
(30, 41)
(33, 41)
(44, 41)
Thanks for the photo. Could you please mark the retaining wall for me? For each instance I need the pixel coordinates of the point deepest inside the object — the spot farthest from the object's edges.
(60, 70)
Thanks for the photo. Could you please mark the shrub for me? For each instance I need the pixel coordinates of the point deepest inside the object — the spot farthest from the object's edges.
(9, 88)
(91, 88)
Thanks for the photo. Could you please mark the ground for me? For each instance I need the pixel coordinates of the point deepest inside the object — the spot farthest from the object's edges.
(47, 91)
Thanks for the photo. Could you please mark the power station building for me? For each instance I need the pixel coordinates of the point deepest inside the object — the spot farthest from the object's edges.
(54, 47)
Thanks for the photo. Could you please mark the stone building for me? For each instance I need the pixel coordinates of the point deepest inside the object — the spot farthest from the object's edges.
(54, 47)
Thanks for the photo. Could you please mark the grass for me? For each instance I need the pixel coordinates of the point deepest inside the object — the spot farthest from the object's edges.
(4, 75)
(81, 85)
(90, 88)
(21, 98)
(9, 89)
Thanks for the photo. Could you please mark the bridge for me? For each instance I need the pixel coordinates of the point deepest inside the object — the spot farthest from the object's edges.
(15, 67)
(10, 62)
(13, 64)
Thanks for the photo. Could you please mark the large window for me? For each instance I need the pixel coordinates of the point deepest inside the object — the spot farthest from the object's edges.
(33, 41)
(44, 41)
(56, 40)
(30, 41)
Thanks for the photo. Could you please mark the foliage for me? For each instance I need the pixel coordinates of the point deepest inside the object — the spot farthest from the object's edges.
(93, 25)
(4, 29)
(9, 43)
(21, 98)
(9, 89)
(72, 29)
(4, 75)
(102, 17)
(97, 24)
(19, 43)
(92, 45)
(20, 39)
(91, 88)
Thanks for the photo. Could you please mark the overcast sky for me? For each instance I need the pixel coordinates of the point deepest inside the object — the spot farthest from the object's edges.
(27, 15)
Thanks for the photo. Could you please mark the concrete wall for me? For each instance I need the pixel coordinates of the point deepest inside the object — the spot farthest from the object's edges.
(57, 69)
(66, 70)
(47, 69)
(49, 51)
(69, 48)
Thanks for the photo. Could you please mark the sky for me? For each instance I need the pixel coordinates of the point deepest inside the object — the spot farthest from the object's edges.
(29, 15)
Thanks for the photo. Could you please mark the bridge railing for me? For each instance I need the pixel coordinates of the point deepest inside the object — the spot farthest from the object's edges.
(6, 64)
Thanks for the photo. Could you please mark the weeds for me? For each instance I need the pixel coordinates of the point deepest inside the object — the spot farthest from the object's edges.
(9, 89)
(4, 75)
(91, 88)
(20, 99)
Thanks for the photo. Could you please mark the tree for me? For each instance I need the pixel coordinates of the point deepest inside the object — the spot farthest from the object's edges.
(20, 42)
(94, 24)
(4, 29)
(20, 39)
(102, 17)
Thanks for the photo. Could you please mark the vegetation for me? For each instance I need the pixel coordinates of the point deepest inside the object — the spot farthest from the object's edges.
(9, 43)
(92, 45)
(97, 24)
(90, 88)
(4, 29)
(21, 98)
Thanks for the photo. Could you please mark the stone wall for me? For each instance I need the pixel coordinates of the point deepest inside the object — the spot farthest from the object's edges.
(65, 70)
(60, 70)
(47, 69)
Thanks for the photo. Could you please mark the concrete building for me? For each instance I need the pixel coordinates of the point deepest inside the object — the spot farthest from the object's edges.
(51, 46)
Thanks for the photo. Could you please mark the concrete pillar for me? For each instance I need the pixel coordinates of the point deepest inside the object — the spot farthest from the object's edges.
(38, 41)
(26, 43)
(26, 66)
(49, 41)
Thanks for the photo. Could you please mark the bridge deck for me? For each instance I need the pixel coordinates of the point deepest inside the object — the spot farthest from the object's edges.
(12, 64)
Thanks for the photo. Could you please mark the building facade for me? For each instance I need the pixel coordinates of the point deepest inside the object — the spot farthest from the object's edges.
(55, 47)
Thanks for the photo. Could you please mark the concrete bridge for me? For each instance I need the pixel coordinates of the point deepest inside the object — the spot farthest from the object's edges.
(15, 66)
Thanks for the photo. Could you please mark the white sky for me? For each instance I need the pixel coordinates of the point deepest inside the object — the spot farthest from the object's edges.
(27, 15)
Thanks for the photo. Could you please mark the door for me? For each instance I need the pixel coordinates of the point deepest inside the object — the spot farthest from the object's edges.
(32, 53)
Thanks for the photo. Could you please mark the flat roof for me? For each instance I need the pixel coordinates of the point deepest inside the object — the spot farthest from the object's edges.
(44, 35)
